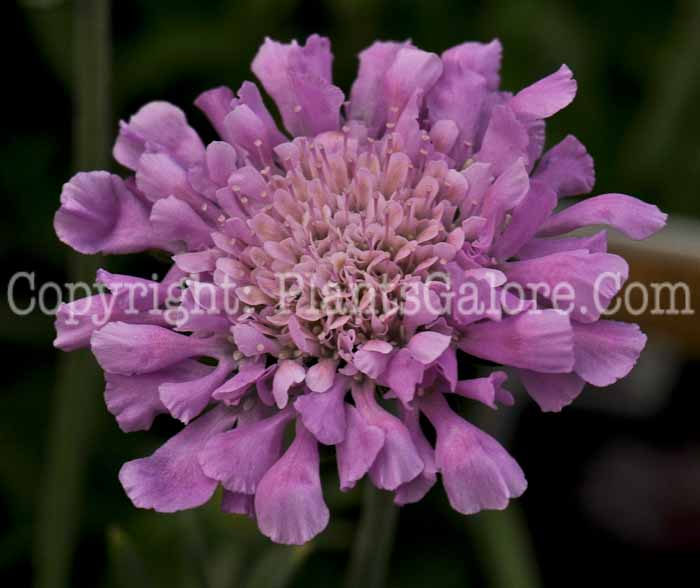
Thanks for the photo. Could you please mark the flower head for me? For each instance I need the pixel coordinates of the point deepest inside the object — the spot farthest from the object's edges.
(328, 278)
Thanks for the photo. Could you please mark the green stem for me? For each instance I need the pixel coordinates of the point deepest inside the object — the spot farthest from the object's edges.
(77, 395)
(504, 547)
(374, 540)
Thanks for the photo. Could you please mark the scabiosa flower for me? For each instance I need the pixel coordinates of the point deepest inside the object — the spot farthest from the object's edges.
(300, 296)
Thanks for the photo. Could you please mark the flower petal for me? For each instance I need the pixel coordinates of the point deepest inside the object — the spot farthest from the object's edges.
(356, 454)
(216, 104)
(175, 220)
(592, 280)
(505, 140)
(76, 321)
(324, 413)
(398, 461)
(427, 346)
(100, 214)
(416, 489)
(171, 479)
(596, 243)
(289, 503)
(234, 389)
(547, 96)
(134, 400)
(539, 340)
(403, 374)
(567, 168)
(321, 376)
(240, 458)
(412, 69)
(249, 95)
(371, 363)
(367, 98)
(186, 399)
(158, 176)
(606, 351)
(636, 219)
(158, 127)
(483, 58)
(251, 342)
(126, 349)
(486, 390)
(551, 392)
(299, 81)
(526, 219)
(288, 374)
(470, 73)
(221, 160)
(477, 472)
(247, 131)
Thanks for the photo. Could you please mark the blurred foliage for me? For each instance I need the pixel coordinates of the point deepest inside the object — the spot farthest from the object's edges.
(638, 87)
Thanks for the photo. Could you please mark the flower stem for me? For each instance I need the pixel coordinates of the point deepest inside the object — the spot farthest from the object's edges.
(77, 399)
(374, 540)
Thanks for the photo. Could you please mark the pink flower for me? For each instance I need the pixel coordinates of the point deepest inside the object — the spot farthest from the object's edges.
(302, 272)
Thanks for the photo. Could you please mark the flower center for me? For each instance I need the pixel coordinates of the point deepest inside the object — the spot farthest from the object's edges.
(345, 226)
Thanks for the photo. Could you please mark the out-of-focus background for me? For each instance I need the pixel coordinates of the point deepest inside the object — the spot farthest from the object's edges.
(614, 494)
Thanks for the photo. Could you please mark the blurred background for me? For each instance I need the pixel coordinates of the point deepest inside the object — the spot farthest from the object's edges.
(614, 495)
